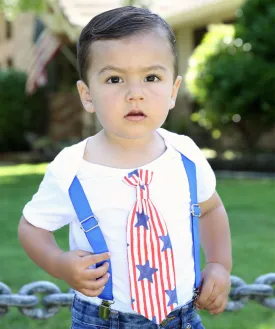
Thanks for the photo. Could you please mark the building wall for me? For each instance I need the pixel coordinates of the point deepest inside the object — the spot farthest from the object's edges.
(16, 50)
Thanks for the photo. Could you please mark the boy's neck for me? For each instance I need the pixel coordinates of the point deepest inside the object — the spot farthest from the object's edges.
(117, 152)
(129, 144)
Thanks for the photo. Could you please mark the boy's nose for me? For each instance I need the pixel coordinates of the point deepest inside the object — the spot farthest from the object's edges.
(135, 93)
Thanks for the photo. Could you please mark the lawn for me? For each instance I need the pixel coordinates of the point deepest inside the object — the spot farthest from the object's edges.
(250, 205)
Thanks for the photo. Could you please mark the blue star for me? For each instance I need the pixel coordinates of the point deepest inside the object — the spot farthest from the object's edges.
(132, 173)
(154, 319)
(166, 242)
(146, 272)
(172, 294)
(133, 300)
(142, 219)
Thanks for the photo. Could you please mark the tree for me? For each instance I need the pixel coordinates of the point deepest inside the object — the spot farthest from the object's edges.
(232, 73)
(12, 7)
(141, 3)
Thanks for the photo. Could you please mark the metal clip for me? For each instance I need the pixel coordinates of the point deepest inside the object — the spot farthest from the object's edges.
(195, 210)
(166, 321)
(84, 220)
(104, 309)
(195, 296)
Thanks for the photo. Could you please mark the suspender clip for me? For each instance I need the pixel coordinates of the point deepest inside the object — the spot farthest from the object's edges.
(195, 210)
(196, 296)
(104, 309)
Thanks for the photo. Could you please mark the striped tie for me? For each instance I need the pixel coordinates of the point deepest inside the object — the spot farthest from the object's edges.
(150, 254)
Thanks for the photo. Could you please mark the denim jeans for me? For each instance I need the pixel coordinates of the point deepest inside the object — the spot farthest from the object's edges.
(85, 316)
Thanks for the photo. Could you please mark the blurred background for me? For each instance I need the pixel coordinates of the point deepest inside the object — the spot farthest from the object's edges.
(226, 51)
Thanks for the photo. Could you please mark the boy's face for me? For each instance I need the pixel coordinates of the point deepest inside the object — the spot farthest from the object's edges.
(131, 85)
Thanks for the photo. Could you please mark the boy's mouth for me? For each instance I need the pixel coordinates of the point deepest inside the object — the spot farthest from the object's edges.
(135, 115)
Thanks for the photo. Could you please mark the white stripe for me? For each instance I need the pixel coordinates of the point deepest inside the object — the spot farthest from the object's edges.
(136, 262)
(130, 260)
(142, 256)
(163, 267)
(149, 249)
(158, 265)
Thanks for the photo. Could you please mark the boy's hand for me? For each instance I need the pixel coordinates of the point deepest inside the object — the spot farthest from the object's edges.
(73, 267)
(215, 288)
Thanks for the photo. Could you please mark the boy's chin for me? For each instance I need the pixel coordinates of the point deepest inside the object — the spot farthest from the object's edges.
(134, 133)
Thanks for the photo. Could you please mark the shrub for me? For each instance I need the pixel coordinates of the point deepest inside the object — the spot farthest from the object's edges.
(19, 114)
(232, 73)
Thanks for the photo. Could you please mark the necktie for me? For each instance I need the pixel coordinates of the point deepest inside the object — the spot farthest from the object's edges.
(150, 254)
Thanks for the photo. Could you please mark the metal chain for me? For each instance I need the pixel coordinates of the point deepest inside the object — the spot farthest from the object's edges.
(27, 302)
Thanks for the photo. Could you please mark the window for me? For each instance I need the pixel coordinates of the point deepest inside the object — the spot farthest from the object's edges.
(9, 63)
(8, 29)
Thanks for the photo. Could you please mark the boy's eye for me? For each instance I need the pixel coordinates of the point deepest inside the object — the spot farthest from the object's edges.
(152, 78)
(114, 80)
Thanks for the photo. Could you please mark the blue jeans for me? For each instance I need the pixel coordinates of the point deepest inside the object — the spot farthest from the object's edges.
(85, 316)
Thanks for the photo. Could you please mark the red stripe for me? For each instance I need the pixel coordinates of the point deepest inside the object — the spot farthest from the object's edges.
(166, 258)
(153, 265)
(172, 306)
(128, 181)
(160, 267)
(140, 189)
(142, 281)
(133, 257)
(146, 191)
(146, 258)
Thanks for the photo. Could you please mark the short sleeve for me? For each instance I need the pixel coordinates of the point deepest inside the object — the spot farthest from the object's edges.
(50, 208)
(206, 180)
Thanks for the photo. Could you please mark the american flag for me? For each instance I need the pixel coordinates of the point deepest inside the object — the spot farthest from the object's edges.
(150, 254)
(45, 48)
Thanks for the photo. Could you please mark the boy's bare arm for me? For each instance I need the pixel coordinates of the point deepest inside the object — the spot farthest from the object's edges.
(215, 232)
(216, 242)
(72, 266)
(40, 245)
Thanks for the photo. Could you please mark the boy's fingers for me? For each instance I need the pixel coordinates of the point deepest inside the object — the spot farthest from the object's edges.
(92, 293)
(218, 305)
(220, 309)
(211, 298)
(95, 258)
(205, 293)
(97, 284)
(95, 273)
(213, 307)
(82, 253)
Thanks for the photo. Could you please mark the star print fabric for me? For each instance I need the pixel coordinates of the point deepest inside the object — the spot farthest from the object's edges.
(150, 254)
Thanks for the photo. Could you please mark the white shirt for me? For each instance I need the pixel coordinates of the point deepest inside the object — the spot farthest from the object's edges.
(111, 201)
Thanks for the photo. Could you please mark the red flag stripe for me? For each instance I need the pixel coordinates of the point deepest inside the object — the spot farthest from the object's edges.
(45, 49)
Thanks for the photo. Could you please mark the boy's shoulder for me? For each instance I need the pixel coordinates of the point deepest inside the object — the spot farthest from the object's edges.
(65, 165)
(182, 143)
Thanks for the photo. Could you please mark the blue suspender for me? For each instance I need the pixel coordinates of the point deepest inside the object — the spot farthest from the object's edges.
(190, 169)
(89, 224)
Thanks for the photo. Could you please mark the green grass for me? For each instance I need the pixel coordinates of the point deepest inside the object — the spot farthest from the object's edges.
(250, 205)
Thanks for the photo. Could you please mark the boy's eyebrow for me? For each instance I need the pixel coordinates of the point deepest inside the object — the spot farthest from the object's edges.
(118, 69)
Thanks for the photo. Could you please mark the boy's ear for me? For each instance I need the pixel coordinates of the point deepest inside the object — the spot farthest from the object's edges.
(175, 90)
(85, 96)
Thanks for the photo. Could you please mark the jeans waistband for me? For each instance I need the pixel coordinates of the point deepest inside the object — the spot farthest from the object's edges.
(85, 311)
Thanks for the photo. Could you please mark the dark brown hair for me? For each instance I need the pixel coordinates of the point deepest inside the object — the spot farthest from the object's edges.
(117, 24)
